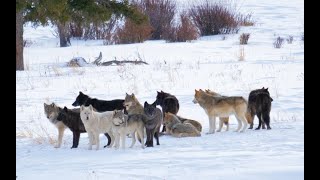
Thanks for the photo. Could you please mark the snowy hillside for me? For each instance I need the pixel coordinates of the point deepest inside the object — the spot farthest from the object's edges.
(178, 68)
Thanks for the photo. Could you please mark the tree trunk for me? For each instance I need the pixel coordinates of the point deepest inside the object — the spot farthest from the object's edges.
(63, 34)
(19, 41)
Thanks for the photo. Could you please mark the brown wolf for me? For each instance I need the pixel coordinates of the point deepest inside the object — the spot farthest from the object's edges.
(225, 120)
(215, 106)
(178, 129)
(195, 123)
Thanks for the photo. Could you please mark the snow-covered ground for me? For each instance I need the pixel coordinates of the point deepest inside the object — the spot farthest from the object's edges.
(177, 68)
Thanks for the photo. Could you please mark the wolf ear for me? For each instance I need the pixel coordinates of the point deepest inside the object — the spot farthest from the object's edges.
(267, 89)
(195, 91)
(162, 91)
(65, 109)
(145, 103)
(81, 107)
(90, 107)
(127, 94)
(263, 87)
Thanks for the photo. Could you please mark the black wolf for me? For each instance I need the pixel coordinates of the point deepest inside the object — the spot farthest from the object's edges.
(263, 108)
(73, 121)
(252, 105)
(153, 123)
(99, 105)
(168, 103)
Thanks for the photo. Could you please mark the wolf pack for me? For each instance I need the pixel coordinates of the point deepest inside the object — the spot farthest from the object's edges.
(127, 118)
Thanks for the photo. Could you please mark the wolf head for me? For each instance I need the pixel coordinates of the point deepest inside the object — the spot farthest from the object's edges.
(51, 111)
(160, 97)
(62, 114)
(129, 101)
(86, 112)
(80, 100)
(118, 117)
(149, 109)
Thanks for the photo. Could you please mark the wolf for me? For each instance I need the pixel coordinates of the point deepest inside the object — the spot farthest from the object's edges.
(132, 105)
(251, 112)
(168, 103)
(71, 119)
(123, 124)
(262, 107)
(225, 120)
(222, 107)
(183, 120)
(96, 123)
(178, 129)
(153, 124)
(52, 111)
(99, 105)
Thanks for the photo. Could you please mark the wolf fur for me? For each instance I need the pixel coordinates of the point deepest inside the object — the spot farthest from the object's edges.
(153, 124)
(223, 120)
(72, 120)
(96, 123)
(263, 108)
(168, 103)
(52, 111)
(252, 105)
(123, 124)
(195, 123)
(178, 129)
(222, 107)
(99, 105)
(132, 105)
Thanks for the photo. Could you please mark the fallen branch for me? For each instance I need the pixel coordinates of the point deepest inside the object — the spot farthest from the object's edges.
(116, 62)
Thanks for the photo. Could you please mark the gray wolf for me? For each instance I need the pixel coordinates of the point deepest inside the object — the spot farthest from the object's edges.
(178, 129)
(153, 124)
(168, 103)
(252, 105)
(123, 124)
(215, 106)
(96, 123)
(225, 120)
(52, 111)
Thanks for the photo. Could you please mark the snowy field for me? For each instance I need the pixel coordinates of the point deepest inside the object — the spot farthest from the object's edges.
(177, 68)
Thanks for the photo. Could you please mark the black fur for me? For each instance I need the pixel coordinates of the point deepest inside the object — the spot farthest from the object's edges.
(263, 108)
(99, 105)
(73, 121)
(168, 103)
(253, 104)
(153, 123)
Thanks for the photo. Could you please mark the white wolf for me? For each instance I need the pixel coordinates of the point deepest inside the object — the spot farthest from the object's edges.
(96, 123)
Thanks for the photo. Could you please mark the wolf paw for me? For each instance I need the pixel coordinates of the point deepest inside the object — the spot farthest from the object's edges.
(57, 146)
(219, 130)
(242, 131)
(210, 133)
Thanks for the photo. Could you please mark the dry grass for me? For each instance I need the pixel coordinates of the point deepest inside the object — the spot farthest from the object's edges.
(241, 55)
(244, 37)
(39, 134)
(57, 71)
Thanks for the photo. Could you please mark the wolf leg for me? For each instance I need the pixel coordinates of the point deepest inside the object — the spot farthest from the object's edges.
(96, 136)
(76, 137)
(141, 134)
(266, 118)
(156, 134)
(212, 125)
(220, 124)
(239, 123)
(117, 140)
(60, 136)
(260, 120)
(90, 134)
(123, 139)
(133, 142)
(245, 123)
(109, 139)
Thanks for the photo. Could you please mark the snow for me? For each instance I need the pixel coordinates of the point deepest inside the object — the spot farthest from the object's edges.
(177, 68)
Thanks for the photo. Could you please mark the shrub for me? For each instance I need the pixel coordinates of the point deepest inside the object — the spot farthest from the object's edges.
(213, 18)
(244, 37)
(278, 42)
